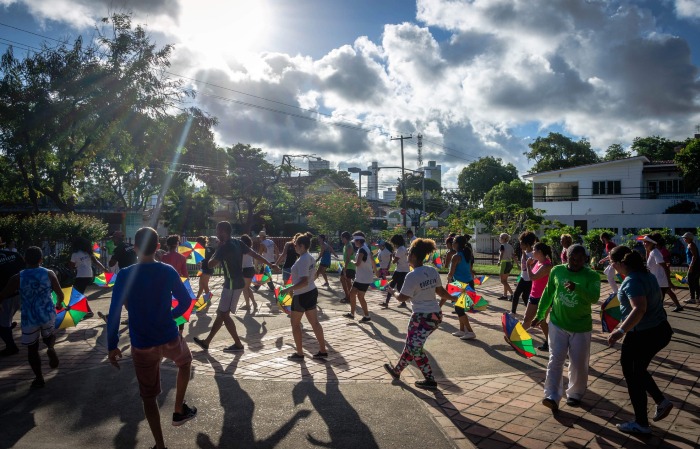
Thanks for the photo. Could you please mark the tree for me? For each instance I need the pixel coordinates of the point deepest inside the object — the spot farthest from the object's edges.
(338, 211)
(65, 106)
(656, 148)
(688, 160)
(416, 182)
(557, 151)
(340, 177)
(187, 210)
(482, 175)
(616, 151)
(517, 192)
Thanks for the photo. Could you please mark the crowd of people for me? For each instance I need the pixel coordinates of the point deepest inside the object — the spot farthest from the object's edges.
(557, 299)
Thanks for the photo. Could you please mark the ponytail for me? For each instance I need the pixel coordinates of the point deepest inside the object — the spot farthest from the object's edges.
(545, 249)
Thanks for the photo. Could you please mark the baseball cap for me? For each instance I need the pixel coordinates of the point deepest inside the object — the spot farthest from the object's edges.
(688, 235)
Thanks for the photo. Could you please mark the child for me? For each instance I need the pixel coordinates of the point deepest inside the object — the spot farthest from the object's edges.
(538, 269)
(384, 259)
(401, 270)
(527, 240)
(305, 298)
(35, 285)
(363, 277)
(150, 287)
(82, 260)
(460, 271)
(420, 287)
(206, 271)
(505, 260)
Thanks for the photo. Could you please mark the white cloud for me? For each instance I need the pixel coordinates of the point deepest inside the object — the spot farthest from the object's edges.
(688, 9)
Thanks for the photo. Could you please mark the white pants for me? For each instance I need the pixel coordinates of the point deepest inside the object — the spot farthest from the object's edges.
(610, 272)
(578, 347)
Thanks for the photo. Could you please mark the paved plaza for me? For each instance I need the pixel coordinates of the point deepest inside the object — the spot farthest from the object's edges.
(489, 396)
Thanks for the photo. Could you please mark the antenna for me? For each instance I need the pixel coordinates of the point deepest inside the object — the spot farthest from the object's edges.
(420, 150)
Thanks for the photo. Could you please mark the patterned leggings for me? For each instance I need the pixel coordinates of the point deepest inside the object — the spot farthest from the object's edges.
(420, 327)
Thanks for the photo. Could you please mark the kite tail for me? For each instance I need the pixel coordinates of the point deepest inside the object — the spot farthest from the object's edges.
(420, 326)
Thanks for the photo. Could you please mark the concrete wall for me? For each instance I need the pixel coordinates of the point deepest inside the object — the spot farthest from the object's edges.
(640, 221)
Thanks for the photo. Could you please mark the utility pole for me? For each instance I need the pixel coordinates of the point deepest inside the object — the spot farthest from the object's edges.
(403, 173)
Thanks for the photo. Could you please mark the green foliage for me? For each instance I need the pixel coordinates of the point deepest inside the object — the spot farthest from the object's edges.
(684, 207)
(477, 178)
(415, 182)
(33, 229)
(502, 217)
(434, 203)
(552, 237)
(188, 212)
(340, 177)
(517, 192)
(557, 151)
(688, 160)
(338, 211)
(666, 233)
(9, 228)
(616, 151)
(655, 148)
(593, 243)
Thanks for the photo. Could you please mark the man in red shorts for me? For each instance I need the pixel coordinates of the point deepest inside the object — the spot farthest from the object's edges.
(150, 287)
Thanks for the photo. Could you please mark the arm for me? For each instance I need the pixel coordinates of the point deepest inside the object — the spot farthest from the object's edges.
(639, 307)
(283, 255)
(115, 316)
(694, 259)
(260, 259)
(453, 266)
(56, 288)
(330, 248)
(320, 253)
(542, 272)
(589, 292)
(545, 301)
(668, 274)
(96, 262)
(11, 287)
(71, 265)
(444, 296)
(115, 257)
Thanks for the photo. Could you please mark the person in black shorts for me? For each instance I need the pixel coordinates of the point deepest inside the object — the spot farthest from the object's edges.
(289, 256)
(348, 274)
(401, 270)
(248, 274)
(11, 263)
(366, 268)
(305, 298)
(206, 271)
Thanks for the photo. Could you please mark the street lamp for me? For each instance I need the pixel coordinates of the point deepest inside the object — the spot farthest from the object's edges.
(357, 170)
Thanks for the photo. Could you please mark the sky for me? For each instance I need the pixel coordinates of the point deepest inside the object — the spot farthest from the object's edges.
(474, 77)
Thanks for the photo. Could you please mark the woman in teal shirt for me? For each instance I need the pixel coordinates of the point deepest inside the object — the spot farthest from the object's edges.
(647, 332)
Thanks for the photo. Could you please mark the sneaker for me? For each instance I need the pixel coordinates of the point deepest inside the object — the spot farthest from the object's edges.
(677, 309)
(384, 304)
(573, 402)
(234, 348)
(458, 333)
(244, 308)
(544, 347)
(345, 301)
(662, 410)
(365, 319)
(349, 316)
(324, 285)
(89, 315)
(389, 369)
(690, 301)
(427, 384)
(321, 355)
(9, 351)
(403, 305)
(14, 325)
(103, 316)
(633, 427)
(550, 404)
(503, 297)
(468, 336)
(38, 383)
(188, 413)
(200, 343)
(295, 357)
(125, 322)
(53, 358)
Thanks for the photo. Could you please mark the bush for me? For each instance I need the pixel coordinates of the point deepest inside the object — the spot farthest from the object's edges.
(35, 228)
(592, 241)
(684, 207)
(552, 237)
(667, 234)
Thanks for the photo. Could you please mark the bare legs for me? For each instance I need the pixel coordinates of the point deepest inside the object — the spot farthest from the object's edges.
(347, 286)
(464, 325)
(355, 294)
(203, 284)
(322, 272)
(312, 317)
(248, 294)
(530, 313)
(150, 405)
(506, 287)
(225, 319)
(35, 359)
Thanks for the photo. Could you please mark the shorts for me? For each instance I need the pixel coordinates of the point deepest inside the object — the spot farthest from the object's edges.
(533, 300)
(350, 274)
(147, 363)
(10, 306)
(229, 300)
(210, 271)
(506, 267)
(286, 274)
(383, 273)
(459, 311)
(324, 265)
(664, 292)
(30, 334)
(248, 272)
(360, 286)
(305, 301)
(80, 284)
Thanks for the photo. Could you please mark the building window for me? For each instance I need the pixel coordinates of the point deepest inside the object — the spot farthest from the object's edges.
(607, 187)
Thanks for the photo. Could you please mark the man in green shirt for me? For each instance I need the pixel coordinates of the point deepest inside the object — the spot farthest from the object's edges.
(109, 247)
(571, 290)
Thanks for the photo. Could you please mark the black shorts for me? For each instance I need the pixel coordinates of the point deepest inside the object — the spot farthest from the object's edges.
(209, 271)
(350, 274)
(397, 280)
(360, 286)
(248, 272)
(305, 301)
(323, 265)
(534, 301)
(459, 311)
(80, 284)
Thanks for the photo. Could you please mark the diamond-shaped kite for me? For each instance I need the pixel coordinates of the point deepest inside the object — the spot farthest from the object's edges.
(480, 280)
(379, 285)
(284, 301)
(75, 307)
(517, 337)
(105, 280)
(610, 314)
(96, 250)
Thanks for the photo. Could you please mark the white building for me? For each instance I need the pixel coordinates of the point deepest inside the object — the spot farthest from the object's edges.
(389, 195)
(622, 195)
(318, 164)
(433, 171)
(373, 182)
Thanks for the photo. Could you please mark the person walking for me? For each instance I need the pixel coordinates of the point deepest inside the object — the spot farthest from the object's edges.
(248, 274)
(659, 268)
(81, 261)
(174, 258)
(566, 241)
(691, 254)
(207, 272)
(384, 257)
(150, 287)
(460, 270)
(124, 255)
(527, 239)
(420, 287)
(348, 275)
(270, 253)
(571, 290)
(305, 299)
(289, 256)
(363, 277)
(538, 269)
(230, 254)
(401, 270)
(646, 330)
(609, 270)
(410, 237)
(324, 256)
(11, 263)
(506, 256)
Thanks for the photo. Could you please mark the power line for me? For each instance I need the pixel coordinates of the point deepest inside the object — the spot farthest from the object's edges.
(35, 34)
(14, 46)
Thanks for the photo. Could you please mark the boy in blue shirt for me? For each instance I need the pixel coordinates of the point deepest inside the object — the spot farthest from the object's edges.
(150, 287)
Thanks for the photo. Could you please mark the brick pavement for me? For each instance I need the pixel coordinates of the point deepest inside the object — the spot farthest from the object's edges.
(494, 411)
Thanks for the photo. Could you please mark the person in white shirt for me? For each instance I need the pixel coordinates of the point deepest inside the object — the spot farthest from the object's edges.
(305, 298)
(384, 257)
(401, 270)
(420, 287)
(410, 237)
(659, 268)
(248, 266)
(82, 260)
(364, 271)
(270, 252)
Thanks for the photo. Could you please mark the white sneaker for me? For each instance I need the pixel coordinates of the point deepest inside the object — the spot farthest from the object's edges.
(633, 427)
(690, 301)
(458, 333)
(468, 336)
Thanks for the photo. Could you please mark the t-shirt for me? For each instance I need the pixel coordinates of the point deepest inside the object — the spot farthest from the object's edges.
(539, 285)
(177, 261)
(402, 255)
(564, 256)
(524, 275)
(304, 266)
(208, 252)
(364, 273)
(230, 254)
(248, 261)
(270, 250)
(412, 239)
(656, 258)
(109, 246)
(384, 258)
(506, 252)
(10, 264)
(149, 288)
(667, 255)
(35, 297)
(125, 255)
(642, 284)
(609, 246)
(420, 285)
(83, 263)
(350, 247)
(571, 311)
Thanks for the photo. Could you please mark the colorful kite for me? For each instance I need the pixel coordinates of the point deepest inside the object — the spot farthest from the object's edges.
(610, 315)
(284, 301)
(193, 251)
(75, 307)
(479, 305)
(268, 271)
(376, 261)
(373, 248)
(66, 294)
(641, 238)
(465, 296)
(379, 285)
(481, 280)
(105, 280)
(517, 337)
(199, 273)
(682, 280)
(260, 279)
(336, 266)
(620, 277)
(518, 280)
(437, 260)
(186, 282)
(96, 250)
(185, 316)
(202, 302)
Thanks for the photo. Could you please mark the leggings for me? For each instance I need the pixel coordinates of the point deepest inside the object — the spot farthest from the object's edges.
(420, 326)
(693, 283)
(396, 283)
(638, 348)
(523, 289)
